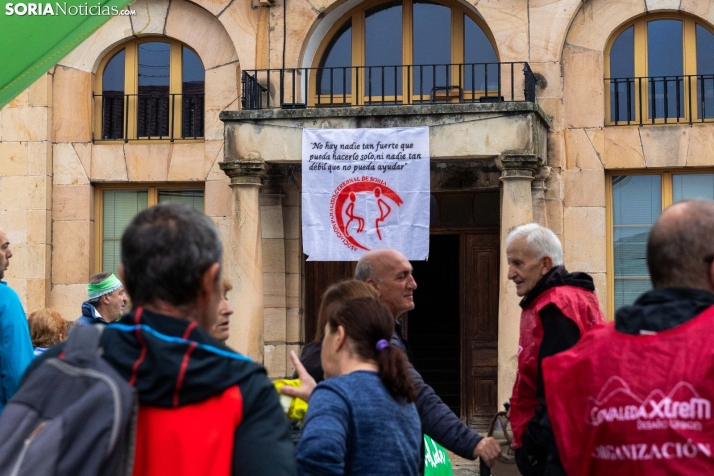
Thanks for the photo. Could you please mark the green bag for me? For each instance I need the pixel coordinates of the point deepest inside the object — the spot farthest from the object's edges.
(436, 459)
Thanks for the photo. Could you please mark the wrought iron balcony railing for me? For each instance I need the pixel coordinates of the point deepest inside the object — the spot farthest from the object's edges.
(298, 88)
(150, 116)
(660, 100)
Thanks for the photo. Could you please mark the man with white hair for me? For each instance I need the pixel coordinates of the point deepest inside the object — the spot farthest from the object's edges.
(558, 307)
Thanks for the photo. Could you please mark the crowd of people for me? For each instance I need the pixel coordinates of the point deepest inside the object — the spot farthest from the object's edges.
(590, 397)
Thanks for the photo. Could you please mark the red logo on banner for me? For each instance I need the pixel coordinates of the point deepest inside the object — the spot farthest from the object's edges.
(352, 191)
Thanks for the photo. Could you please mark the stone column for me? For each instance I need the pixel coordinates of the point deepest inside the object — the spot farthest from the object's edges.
(516, 209)
(243, 257)
(538, 190)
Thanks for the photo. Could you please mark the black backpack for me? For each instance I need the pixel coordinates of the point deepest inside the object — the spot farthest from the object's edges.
(74, 416)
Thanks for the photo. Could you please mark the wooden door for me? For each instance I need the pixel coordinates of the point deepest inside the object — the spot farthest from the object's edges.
(319, 275)
(479, 327)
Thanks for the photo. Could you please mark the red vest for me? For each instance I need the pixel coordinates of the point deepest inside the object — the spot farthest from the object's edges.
(192, 440)
(580, 306)
(633, 405)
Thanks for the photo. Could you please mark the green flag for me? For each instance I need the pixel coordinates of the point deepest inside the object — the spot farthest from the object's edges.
(436, 460)
(35, 36)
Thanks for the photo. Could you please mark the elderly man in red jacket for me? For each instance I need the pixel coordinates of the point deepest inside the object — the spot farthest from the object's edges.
(558, 307)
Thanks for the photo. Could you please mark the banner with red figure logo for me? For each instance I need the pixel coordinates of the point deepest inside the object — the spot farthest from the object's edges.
(365, 189)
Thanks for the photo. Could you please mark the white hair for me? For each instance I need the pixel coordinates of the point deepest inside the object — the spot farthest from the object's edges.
(540, 240)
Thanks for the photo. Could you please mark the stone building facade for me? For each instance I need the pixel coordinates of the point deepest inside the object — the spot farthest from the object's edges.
(571, 159)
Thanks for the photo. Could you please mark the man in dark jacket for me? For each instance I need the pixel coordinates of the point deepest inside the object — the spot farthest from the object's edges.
(660, 343)
(557, 308)
(106, 300)
(203, 408)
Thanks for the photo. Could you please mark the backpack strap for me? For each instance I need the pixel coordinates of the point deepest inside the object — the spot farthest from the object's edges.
(83, 338)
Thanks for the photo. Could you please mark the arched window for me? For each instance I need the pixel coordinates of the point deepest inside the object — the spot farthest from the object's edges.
(150, 89)
(429, 49)
(660, 69)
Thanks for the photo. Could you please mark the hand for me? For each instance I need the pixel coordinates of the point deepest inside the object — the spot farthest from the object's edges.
(488, 450)
(307, 383)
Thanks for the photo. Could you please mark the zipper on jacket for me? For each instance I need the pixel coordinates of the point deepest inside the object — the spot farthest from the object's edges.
(25, 446)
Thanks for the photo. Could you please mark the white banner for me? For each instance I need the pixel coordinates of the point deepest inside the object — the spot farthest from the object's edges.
(365, 189)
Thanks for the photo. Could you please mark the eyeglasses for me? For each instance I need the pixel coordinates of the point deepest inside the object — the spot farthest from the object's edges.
(709, 259)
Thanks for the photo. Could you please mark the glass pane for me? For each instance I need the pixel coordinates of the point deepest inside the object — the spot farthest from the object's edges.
(113, 98)
(154, 72)
(338, 54)
(636, 203)
(705, 70)
(192, 198)
(487, 209)
(691, 186)
(622, 72)
(383, 48)
(432, 49)
(478, 50)
(665, 68)
(193, 88)
(120, 206)
(455, 209)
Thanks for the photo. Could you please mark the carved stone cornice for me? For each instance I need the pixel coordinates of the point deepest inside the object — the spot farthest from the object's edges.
(518, 165)
(244, 172)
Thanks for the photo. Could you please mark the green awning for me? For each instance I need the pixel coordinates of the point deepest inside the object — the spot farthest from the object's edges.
(35, 36)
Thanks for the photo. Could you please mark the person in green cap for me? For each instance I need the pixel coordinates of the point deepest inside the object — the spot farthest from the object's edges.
(106, 302)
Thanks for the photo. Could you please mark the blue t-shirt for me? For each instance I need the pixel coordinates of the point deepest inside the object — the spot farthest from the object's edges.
(354, 426)
(15, 344)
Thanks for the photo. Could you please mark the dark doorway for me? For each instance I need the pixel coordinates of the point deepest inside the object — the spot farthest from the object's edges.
(434, 324)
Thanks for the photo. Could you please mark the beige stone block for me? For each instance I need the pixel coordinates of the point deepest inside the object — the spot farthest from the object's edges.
(584, 188)
(553, 107)
(556, 150)
(86, 57)
(84, 152)
(582, 85)
(203, 32)
(293, 256)
(24, 124)
(584, 239)
(222, 90)
(271, 222)
(21, 100)
(72, 241)
(147, 162)
(508, 20)
(653, 5)
(15, 224)
(219, 199)
(213, 156)
(549, 83)
(293, 195)
(40, 93)
(20, 287)
(701, 138)
(108, 163)
(579, 150)
(39, 227)
(665, 146)
(68, 299)
(240, 21)
(39, 158)
(71, 202)
(68, 169)
(72, 105)
(293, 325)
(291, 218)
(698, 8)
(37, 293)
(596, 21)
(150, 17)
(549, 21)
(275, 324)
(274, 360)
(600, 281)
(273, 255)
(292, 290)
(29, 260)
(13, 158)
(274, 290)
(216, 6)
(554, 185)
(25, 193)
(187, 162)
(623, 148)
(597, 139)
(554, 215)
